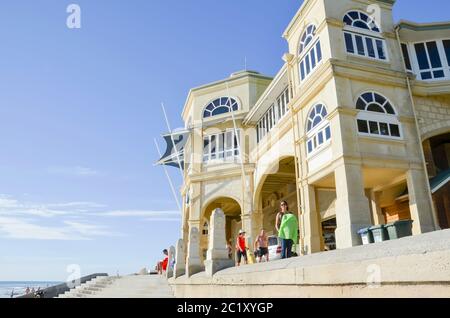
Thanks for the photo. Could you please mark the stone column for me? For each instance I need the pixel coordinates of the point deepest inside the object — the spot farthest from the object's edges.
(180, 259)
(352, 206)
(377, 213)
(419, 202)
(311, 221)
(194, 264)
(217, 256)
(169, 272)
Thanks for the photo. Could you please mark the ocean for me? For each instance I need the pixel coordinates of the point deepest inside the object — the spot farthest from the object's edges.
(7, 288)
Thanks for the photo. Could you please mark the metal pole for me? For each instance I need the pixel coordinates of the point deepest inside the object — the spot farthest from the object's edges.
(168, 178)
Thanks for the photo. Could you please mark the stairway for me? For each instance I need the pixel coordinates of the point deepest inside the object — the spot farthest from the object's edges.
(122, 287)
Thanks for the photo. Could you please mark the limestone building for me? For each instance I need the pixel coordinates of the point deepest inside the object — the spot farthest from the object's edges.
(353, 131)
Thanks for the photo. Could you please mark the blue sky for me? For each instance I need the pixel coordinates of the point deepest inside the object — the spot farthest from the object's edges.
(79, 110)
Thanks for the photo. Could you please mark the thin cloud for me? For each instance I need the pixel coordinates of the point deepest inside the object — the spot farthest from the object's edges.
(140, 213)
(77, 171)
(25, 229)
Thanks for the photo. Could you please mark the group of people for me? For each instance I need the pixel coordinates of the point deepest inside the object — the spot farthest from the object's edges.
(286, 224)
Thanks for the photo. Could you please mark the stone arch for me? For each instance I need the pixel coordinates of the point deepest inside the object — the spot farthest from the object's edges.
(232, 209)
(434, 130)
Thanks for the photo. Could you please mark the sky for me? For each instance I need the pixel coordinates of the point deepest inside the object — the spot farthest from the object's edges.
(80, 108)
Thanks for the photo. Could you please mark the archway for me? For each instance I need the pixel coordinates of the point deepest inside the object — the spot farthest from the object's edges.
(437, 156)
(276, 187)
(233, 224)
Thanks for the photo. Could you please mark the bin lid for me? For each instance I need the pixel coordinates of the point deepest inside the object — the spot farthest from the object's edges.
(364, 231)
(399, 222)
(377, 227)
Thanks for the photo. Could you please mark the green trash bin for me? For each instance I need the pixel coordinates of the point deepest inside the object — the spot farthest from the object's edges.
(399, 229)
(379, 233)
(366, 236)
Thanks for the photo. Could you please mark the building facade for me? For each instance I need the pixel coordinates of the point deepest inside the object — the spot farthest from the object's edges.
(353, 131)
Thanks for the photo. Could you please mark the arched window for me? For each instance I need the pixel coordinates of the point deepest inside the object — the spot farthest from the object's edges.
(361, 20)
(220, 106)
(307, 37)
(363, 36)
(318, 129)
(377, 116)
(310, 52)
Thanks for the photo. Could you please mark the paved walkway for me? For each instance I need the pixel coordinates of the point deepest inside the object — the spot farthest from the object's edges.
(137, 287)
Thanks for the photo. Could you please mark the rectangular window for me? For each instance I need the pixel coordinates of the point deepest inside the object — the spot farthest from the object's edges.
(310, 60)
(433, 53)
(446, 44)
(349, 43)
(429, 59)
(370, 47)
(365, 45)
(362, 126)
(395, 130)
(313, 58)
(380, 49)
(328, 133)
(319, 52)
(302, 70)
(308, 66)
(213, 147)
(374, 128)
(384, 129)
(422, 56)
(360, 45)
(320, 137)
(406, 57)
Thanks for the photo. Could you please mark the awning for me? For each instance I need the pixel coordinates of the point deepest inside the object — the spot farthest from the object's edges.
(439, 181)
(176, 142)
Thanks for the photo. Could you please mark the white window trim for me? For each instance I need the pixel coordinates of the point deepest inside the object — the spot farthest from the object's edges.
(415, 62)
(274, 110)
(313, 134)
(364, 35)
(379, 118)
(226, 159)
(363, 30)
(303, 58)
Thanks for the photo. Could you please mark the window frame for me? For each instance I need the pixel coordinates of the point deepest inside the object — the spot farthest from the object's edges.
(228, 153)
(233, 101)
(442, 55)
(274, 113)
(306, 53)
(312, 135)
(378, 118)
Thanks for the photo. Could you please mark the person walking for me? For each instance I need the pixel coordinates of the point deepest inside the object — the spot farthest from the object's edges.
(262, 246)
(241, 249)
(288, 231)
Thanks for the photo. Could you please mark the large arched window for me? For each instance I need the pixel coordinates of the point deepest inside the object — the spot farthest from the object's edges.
(377, 116)
(363, 36)
(361, 20)
(318, 128)
(310, 52)
(220, 106)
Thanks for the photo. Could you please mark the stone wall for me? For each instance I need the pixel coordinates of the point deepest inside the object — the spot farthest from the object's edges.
(411, 267)
(433, 114)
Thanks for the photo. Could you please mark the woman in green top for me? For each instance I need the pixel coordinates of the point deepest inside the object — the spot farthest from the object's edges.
(288, 232)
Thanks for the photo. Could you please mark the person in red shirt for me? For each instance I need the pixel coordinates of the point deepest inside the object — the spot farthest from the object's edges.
(241, 249)
(165, 262)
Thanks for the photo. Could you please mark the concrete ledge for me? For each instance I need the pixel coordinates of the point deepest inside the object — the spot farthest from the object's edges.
(410, 267)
